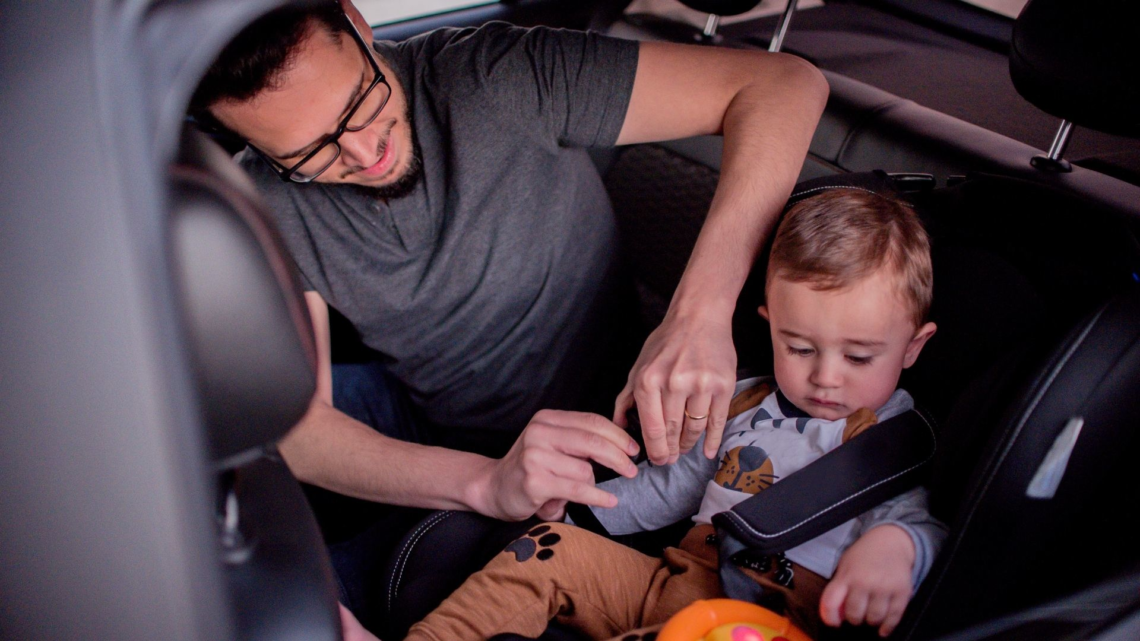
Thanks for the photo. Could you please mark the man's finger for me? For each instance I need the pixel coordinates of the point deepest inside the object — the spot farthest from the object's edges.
(673, 408)
(580, 444)
(696, 421)
(718, 418)
(558, 464)
(579, 492)
(621, 406)
(652, 425)
(593, 423)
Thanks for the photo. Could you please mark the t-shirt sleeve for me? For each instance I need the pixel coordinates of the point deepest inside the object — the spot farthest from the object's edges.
(570, 87)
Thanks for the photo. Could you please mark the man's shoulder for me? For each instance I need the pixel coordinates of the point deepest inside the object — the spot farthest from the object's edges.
(439, 45)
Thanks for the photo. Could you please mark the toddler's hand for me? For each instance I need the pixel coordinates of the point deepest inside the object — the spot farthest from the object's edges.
(872, 582)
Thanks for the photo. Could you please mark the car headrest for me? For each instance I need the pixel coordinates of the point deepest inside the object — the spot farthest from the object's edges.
(1077, 61)
(721, 7)
(250, 335)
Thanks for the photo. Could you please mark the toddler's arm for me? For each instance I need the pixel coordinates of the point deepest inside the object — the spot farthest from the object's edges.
(909, 512)
(659, 495)
(896, 545)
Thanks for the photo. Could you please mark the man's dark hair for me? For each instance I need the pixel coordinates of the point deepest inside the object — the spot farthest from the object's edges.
(256, 58)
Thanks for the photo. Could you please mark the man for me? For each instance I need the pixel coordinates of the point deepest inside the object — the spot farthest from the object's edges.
(437, 193)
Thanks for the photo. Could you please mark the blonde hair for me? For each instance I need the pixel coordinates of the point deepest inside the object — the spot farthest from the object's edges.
(844, 234)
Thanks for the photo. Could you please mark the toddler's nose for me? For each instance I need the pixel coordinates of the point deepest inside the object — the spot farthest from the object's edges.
(826, 373)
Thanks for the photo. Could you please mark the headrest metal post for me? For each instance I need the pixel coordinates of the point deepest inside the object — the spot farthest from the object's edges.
(782, 28)
(1053, 162)
(1060, 141)
(711, 26)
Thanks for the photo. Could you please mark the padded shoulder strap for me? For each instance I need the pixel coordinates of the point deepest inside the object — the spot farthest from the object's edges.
(874, 466)
(870, 468)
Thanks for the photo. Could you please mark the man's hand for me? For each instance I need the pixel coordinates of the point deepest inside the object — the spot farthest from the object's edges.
(682, 385)
(549, 465)
(353, 631)
(872, 583)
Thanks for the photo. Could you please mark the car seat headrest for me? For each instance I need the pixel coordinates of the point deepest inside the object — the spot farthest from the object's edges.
(1077, 61)
(721, 7)
(251, 340)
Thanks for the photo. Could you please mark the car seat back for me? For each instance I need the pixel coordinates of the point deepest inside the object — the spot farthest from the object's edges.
(1036, 516)
(253, 353)
(252, 341)
(1034, 472)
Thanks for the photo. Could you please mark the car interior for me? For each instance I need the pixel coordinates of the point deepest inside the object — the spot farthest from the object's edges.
(156, 343)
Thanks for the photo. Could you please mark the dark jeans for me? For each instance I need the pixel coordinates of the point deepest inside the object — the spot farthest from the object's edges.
(361, 535)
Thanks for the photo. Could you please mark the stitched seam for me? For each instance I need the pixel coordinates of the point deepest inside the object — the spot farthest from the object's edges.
(801, 194)
(1056, 370)
(815, 189)
(405, 553)
(745, 525)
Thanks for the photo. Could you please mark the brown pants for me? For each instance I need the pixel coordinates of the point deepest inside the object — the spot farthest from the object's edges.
(599, 587)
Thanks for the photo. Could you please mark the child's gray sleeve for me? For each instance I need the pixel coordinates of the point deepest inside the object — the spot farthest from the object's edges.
(658, 495)
(909, 511)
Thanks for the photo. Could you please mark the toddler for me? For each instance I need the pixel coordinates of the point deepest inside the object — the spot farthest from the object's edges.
(847, 295)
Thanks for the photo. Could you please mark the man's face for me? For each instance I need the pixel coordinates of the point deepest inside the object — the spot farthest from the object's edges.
(309, 100)
(839, 350)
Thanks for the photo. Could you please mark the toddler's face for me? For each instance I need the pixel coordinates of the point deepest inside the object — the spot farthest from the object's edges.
(839, 350)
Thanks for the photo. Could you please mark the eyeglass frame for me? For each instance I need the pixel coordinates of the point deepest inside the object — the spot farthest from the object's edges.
(289, 174)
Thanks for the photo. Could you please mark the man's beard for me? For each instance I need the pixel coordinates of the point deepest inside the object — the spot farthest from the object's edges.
(406, 183)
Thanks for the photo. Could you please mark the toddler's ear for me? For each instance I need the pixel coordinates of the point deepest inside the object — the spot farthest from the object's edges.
(763, 309)
(916, 344)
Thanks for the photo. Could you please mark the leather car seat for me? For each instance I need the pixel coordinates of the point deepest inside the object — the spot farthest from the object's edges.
(1038, 513)
(254, 360)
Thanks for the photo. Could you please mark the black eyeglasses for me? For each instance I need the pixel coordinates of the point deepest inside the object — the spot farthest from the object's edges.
(362, 114)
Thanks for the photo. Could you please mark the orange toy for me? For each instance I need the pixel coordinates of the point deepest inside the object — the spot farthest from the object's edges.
(729, 620)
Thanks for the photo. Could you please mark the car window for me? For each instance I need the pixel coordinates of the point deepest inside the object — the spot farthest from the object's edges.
(382, 12)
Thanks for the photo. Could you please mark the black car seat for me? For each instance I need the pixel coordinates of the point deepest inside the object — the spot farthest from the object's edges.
(1038, 515)
(254, 359)
(1036, 367)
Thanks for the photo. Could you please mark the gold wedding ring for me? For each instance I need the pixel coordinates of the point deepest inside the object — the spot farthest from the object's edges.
(696, 418)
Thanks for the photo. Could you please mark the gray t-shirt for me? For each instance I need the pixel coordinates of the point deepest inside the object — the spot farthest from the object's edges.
(483, 289)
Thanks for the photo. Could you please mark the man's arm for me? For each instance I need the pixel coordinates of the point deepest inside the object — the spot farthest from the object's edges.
(767, 106)
(546, 467)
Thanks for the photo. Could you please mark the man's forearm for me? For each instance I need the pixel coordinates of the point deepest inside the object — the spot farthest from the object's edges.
(332, 450)
(766, 138)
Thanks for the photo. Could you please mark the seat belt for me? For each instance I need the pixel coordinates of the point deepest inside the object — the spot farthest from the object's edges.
(877, 465)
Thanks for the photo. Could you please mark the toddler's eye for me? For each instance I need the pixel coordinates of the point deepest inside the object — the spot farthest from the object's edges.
(859, 360)
(796, 351)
